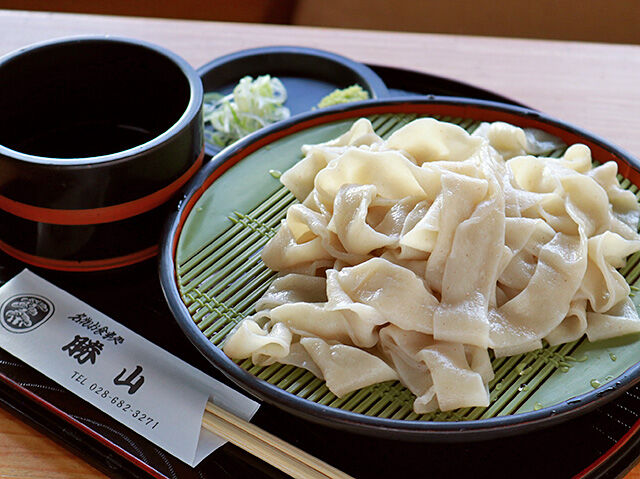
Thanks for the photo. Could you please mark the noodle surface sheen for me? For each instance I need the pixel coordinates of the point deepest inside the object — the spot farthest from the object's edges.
(408, 259)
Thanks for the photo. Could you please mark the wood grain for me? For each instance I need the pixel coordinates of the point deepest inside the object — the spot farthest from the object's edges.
(26, 453)
(583, 20)
(595, 86)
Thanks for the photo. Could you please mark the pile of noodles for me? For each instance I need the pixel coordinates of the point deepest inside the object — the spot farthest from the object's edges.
(408, 259)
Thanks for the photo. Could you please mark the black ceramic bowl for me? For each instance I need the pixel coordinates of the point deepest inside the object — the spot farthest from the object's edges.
(211, 276)
(308, 74)
(96, 136)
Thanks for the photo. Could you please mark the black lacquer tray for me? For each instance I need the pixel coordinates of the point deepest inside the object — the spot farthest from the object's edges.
(603, 443)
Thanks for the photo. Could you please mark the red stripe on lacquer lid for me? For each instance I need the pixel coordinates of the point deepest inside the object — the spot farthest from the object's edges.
(106, 214)
(80, 266)
(615, 448)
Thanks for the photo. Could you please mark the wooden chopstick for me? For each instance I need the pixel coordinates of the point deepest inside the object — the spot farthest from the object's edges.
(266, 446)
(255, 446)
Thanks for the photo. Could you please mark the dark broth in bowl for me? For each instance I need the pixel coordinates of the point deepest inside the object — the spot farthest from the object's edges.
(81, 99)
(83, 140)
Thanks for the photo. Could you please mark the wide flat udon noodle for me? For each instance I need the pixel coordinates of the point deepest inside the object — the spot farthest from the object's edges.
(411, 258)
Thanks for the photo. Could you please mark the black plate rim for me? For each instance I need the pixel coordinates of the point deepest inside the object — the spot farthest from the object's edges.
(371, 80)
(436, 431)
(422, 83)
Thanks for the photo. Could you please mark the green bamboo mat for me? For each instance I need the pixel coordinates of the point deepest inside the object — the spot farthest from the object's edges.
(220, 277)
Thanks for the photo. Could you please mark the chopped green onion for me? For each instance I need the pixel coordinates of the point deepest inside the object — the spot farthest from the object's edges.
(252, 105)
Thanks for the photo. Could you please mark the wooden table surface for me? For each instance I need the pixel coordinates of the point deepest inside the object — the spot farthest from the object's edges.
(595, 86)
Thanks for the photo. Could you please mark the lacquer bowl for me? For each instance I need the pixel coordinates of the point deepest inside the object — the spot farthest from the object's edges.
(308, 74)
(97, 134)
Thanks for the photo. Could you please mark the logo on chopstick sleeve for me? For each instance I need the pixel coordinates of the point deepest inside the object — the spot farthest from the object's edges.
(25, 312)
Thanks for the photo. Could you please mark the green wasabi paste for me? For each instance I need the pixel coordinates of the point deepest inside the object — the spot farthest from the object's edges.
(346, 95)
